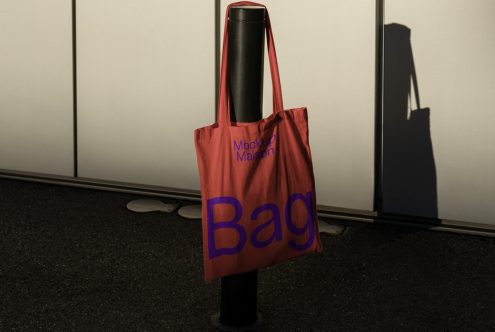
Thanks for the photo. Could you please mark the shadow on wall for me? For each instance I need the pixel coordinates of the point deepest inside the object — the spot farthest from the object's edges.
(409, 181)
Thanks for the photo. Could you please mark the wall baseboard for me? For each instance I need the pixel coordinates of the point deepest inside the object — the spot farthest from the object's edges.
(81, 182)
(332, 212)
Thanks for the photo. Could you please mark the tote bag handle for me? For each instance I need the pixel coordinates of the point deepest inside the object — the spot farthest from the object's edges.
(223, 112)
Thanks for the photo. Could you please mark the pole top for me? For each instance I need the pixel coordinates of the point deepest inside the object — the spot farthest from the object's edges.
(247, 14)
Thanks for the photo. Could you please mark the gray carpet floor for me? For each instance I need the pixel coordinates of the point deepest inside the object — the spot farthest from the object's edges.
(75, 259)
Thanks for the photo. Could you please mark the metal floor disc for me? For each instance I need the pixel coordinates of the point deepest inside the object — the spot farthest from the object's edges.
(150, 205)
(190, 211)
(325, 228)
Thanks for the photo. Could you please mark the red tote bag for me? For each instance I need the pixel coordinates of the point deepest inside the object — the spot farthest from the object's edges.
(257, 183)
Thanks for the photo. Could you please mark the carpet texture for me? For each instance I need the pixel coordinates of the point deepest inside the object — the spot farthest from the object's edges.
(75, 259)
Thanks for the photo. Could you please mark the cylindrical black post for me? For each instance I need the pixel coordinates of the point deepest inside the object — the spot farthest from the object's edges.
(246, 54)
(238, 300)
(238, 306)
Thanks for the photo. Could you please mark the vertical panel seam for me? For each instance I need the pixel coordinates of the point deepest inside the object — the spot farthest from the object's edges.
(74, 86)
(377, 197)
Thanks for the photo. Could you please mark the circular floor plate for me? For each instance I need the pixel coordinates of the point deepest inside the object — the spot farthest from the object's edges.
(150, 205)
(190, 211)
(325, 228)
(215, 320)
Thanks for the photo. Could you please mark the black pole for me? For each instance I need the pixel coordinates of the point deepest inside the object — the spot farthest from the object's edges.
(246, 27)
(246, 55)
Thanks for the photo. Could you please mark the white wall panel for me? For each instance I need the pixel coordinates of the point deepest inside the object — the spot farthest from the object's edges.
(326, 54)
(453, 47)
(146, 81)
(36, 117)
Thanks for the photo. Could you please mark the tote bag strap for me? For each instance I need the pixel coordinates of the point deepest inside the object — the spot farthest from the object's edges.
(223, 112)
